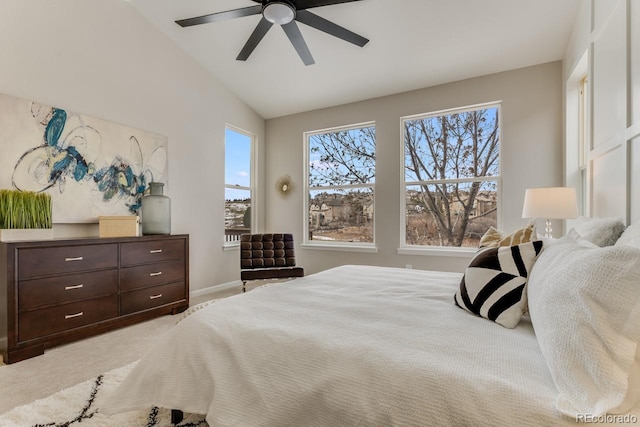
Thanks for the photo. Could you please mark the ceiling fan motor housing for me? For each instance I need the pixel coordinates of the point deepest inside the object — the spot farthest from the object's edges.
(278, 12)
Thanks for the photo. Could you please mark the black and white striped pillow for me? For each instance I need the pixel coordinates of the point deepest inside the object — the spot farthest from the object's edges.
(493, 283)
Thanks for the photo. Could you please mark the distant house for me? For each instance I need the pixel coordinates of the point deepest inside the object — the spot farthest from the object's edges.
(327, 212)
(319, 214)
(483, 203)
(326, 209)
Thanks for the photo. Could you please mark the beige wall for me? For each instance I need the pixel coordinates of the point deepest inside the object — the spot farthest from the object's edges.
(101, 58)
(605, 45)
(531, 156)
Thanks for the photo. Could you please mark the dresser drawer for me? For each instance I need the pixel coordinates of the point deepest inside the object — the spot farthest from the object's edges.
(131, 302)
(40, 323)
(144, 276)
(38, 262)
(60, 289)
(154, 251)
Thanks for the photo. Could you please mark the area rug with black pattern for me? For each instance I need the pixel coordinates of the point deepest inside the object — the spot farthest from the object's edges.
(79, 405)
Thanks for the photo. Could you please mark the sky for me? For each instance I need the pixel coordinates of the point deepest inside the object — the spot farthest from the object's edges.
(237, 156)
(451, 170)
(339, 173)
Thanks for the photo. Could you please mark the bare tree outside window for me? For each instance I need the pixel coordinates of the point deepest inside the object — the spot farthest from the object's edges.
(341, 175)
(452, 172)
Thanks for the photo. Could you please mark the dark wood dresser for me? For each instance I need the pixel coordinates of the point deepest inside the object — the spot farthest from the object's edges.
(57, 291)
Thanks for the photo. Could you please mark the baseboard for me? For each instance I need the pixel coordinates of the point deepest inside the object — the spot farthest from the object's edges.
(215, 288)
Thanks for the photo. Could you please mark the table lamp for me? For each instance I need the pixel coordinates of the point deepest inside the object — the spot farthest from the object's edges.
(550, 203)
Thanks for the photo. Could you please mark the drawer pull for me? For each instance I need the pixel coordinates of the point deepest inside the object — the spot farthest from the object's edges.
(155, 296)
(78, 258)
(155, 251)
(71, 316)
(158, 273)
(68, 288)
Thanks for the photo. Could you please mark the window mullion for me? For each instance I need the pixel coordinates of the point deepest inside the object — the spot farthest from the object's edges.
(454, 181)
(341, 187)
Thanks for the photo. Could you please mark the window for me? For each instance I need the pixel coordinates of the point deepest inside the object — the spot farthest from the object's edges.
(340, 185)
(583, 138)
(451, 176)
(238, 184)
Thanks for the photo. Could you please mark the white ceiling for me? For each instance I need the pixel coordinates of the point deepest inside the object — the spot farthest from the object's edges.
(413, 44)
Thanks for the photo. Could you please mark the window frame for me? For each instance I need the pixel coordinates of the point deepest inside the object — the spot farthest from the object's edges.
(230, 245)
(584, 146)
(449, 251)
(328, 245)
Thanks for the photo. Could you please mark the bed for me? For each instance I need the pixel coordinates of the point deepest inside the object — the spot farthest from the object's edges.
(350, 346)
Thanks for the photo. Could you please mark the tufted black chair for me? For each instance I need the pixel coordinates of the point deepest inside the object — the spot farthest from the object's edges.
(267, 256)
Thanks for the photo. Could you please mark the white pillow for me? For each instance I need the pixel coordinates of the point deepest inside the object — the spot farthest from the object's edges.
(584, 305)
(600, 231)
(630, 237)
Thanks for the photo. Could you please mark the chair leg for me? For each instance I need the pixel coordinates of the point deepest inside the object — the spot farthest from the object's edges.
(243, 286)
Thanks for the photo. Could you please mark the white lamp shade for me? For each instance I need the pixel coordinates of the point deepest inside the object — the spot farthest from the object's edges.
(551, 203)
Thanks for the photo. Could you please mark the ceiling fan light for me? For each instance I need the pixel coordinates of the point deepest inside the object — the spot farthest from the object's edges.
(279, 13)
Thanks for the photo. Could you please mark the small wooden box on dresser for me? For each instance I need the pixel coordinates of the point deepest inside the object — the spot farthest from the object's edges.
(57, 291)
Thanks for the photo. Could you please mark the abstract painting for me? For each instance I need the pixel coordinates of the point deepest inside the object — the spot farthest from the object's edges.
(91, 167)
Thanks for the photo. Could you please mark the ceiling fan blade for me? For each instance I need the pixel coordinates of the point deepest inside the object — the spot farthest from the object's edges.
(255, 38)
(319, 23)
(308, 4)
(220, 16)
(295, 36)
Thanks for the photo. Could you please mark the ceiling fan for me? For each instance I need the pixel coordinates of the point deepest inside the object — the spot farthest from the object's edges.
(283, 13)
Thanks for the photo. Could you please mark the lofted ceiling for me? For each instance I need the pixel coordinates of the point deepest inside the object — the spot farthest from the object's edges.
(413, 44)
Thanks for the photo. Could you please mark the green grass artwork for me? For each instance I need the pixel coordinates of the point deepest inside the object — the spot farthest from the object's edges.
(24, 209)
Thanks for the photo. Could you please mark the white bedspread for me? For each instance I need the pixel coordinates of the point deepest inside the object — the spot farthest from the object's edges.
(351, 346)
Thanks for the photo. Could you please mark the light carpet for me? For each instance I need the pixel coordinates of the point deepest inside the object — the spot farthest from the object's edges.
(80, 405)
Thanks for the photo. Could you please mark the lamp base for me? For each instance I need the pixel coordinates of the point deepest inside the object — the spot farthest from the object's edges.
(548, 230)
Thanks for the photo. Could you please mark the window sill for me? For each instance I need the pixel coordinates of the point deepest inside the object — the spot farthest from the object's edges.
(340, 247)
(231, 247)
(438, 251)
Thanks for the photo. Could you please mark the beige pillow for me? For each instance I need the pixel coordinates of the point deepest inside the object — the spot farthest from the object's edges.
(495, 238)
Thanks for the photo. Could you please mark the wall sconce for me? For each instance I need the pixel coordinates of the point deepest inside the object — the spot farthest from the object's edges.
(550, 203)
(284, 186)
